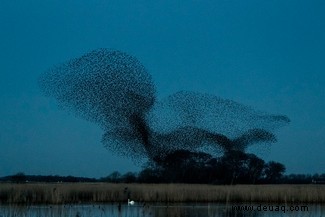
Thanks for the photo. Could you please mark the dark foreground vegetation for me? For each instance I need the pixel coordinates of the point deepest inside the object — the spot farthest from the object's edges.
(65, 193)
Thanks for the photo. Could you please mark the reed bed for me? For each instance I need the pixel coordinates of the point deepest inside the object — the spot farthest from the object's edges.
(67, 193)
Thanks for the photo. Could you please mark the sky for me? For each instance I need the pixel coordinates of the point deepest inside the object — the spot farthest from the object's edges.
(265, 54)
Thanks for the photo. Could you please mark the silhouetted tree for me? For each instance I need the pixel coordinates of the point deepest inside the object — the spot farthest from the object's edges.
(19, 177)
(129, 177)
(150, 175)
(232, 166)
(273, 171)
(114, 177)
(239, 167)
(184, 166)
(255, 168)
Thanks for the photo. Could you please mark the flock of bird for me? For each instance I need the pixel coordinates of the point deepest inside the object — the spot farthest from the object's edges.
(114, 90)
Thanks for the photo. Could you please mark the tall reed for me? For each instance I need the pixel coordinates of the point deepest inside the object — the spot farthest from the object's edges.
(64, 193)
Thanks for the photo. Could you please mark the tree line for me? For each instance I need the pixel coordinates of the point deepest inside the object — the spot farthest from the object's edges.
(234, 167)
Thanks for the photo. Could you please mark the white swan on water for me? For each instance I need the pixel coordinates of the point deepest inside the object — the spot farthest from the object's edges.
(130, 202)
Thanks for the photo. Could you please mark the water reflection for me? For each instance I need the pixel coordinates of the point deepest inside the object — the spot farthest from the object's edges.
(153, 210)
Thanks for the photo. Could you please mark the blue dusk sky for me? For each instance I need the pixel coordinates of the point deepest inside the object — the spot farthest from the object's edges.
(269, 55)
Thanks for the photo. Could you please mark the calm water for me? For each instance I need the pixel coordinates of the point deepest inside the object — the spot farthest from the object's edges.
(154, 210)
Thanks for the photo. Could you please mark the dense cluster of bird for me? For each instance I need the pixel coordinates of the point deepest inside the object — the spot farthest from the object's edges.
(114, 90)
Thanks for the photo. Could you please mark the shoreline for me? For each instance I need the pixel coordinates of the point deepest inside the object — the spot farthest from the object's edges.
(74, 193)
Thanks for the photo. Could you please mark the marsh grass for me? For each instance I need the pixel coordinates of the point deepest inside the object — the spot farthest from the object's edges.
(72, 193)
